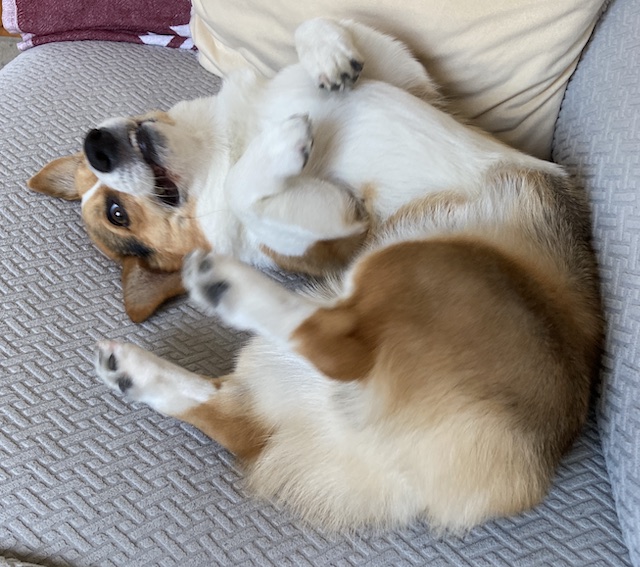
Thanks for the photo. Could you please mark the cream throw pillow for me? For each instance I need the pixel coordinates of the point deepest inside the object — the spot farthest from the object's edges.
(505, 63)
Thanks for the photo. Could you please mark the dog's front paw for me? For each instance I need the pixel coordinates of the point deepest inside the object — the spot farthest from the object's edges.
(289, 145)
(326, 51)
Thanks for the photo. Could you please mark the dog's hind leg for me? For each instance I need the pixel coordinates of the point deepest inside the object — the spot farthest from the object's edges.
(248, 300)
(335, 53)
(245, 298)
(217, 406)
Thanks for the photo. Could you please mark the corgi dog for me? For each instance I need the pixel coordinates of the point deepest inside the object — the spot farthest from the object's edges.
(443, 373)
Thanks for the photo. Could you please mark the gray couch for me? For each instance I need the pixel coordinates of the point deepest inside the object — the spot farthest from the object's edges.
(88, 480)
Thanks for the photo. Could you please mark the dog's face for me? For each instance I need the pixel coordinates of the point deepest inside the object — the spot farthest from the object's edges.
(155, 155)
(135, 181)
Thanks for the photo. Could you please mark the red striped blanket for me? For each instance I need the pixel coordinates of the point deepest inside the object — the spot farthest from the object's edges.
(156, 22)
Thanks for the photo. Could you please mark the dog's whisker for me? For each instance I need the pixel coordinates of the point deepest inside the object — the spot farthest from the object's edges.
(208, 214)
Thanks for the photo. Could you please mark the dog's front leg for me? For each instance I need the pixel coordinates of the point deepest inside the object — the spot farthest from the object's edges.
(279, 153)
(283, 207)
(335, 53)
(217, 406)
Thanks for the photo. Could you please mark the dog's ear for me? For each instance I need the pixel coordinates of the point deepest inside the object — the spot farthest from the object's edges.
(145, 290)
(61, 178)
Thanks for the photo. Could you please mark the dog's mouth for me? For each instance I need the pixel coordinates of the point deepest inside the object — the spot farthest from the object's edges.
(165, 188)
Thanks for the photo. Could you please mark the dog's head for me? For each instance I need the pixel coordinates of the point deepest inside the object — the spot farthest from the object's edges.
(135, 179)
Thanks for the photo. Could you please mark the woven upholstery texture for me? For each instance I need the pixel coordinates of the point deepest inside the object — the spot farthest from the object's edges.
(598, 137)
(88, 479)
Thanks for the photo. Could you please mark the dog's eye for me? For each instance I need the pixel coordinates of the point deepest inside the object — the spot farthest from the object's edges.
(116, 214)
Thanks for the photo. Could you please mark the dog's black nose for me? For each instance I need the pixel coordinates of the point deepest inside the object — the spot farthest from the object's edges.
(101, 149)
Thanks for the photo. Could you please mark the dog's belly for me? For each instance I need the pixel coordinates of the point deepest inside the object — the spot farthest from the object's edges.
(380, 139)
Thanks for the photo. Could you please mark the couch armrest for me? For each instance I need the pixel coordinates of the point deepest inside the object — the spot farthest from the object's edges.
(598, 137)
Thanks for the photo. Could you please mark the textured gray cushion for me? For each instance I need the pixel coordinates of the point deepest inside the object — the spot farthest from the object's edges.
(598, 136)
(87, 479)
(10, 562)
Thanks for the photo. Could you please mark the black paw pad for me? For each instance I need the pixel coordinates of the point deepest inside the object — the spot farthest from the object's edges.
(124, 383)
(357, 66)
(110, 363)
(306, 151)
(215, 291)
(205, 266)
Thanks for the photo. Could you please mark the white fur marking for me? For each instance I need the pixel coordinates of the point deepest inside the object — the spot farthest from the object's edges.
(88, 194)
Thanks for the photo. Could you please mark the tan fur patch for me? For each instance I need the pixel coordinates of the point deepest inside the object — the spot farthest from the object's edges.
(322, 258)
(169, 233)
(145, 290)
(438, 204)
(66, 178)
(458, 320)
(369, 196)
(225, 418)
(161, 235)
(156, 115)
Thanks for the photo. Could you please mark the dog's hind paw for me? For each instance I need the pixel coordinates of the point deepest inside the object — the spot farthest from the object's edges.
(113, 366)
(326, 51)
(131, 370)
(208, 279)
(242, 296)
(144, 377)
(222, 286)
